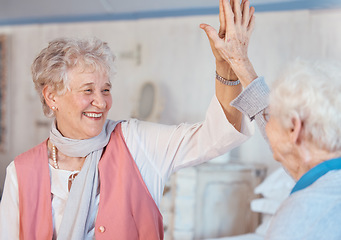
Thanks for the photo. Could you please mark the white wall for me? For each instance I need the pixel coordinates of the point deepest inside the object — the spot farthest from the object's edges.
(175, 54)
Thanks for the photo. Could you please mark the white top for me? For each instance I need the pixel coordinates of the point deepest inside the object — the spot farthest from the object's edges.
(158, 150)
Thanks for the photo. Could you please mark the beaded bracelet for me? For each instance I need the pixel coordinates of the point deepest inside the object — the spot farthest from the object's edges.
(225, 81)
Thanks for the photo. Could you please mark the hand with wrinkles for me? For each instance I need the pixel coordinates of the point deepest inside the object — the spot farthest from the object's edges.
(230, 44)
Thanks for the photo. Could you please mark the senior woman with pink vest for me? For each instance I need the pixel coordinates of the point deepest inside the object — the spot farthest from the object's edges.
(104, 179)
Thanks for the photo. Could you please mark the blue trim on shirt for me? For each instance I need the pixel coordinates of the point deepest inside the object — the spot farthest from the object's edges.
(315, 173)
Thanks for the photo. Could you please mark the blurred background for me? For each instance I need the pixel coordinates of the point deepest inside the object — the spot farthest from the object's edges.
(165, 74)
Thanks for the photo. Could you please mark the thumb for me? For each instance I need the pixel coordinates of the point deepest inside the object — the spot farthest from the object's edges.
(210, 32)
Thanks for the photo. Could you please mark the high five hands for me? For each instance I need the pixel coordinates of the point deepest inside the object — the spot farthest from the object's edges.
(230, 44)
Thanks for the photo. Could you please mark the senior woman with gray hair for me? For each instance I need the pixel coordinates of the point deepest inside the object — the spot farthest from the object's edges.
(303, 130)
(103, 179)
(304, 133)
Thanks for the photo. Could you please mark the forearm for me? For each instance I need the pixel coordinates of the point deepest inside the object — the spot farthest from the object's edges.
(252, 101)
(225, 94)
(244, 71)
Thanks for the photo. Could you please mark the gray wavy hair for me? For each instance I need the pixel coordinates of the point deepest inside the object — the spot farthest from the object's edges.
(51, 66)
(311, 91)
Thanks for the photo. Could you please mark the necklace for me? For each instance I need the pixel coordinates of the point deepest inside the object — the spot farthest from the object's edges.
(56, 166)
(54, 157)
(71, 178)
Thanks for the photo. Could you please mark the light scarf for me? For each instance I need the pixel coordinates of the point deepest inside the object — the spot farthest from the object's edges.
(77, 222)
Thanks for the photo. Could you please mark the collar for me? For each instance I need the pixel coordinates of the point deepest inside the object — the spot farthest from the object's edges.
(316, 172)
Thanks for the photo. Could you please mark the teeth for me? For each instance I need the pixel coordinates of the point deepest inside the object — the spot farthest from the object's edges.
(93, 115)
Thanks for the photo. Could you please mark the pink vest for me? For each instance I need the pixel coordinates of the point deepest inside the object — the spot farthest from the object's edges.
(126, 209)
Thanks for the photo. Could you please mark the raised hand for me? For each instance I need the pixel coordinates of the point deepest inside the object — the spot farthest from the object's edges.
(231, 43)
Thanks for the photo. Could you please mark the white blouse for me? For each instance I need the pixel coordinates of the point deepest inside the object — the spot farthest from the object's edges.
(158, 150)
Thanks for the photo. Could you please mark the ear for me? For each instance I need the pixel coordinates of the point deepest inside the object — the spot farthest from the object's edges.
(296, 130)
(49, 96)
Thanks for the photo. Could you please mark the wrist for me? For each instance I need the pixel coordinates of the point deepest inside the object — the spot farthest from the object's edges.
(225, 81)
(245, 71)
(224, 70)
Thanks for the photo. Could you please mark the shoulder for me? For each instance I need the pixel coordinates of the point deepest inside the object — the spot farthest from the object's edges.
(134, 128)
(324, 192)
(32, 153)
(10, 170)
(311, 212)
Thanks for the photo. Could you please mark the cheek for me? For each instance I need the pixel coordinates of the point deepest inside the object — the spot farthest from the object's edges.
(270, 133)
(82, 103)
(274, 138)
(267, 130)
(83, 99)
(109, 102)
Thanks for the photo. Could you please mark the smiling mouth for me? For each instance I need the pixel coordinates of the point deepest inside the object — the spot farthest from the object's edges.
(93, 115)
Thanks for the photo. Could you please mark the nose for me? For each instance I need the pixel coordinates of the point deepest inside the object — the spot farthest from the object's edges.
(99, 101)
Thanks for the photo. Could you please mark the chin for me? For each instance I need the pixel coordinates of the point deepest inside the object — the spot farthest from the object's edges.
(276, 158)
(90, 133)
(94, 131)
(94, 134)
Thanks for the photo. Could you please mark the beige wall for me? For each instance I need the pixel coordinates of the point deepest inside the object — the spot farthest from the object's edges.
(175, 55)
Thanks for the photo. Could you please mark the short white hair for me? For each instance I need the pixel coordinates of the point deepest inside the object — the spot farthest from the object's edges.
(311, 90)
(51, 66)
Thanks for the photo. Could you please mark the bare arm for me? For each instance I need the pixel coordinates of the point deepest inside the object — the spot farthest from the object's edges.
(229, 47)
(225, 94)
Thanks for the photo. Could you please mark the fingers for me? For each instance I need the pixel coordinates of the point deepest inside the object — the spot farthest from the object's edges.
(252, 11)
(229, 16)
(240, 12)
(231, 3)
(251, 25)
(236, 10)
(242, 6)
(222, 29)
(246, 13)
(210, 32)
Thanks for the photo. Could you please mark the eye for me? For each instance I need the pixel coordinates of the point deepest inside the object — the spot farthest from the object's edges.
(88, 90)
(106, 90)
